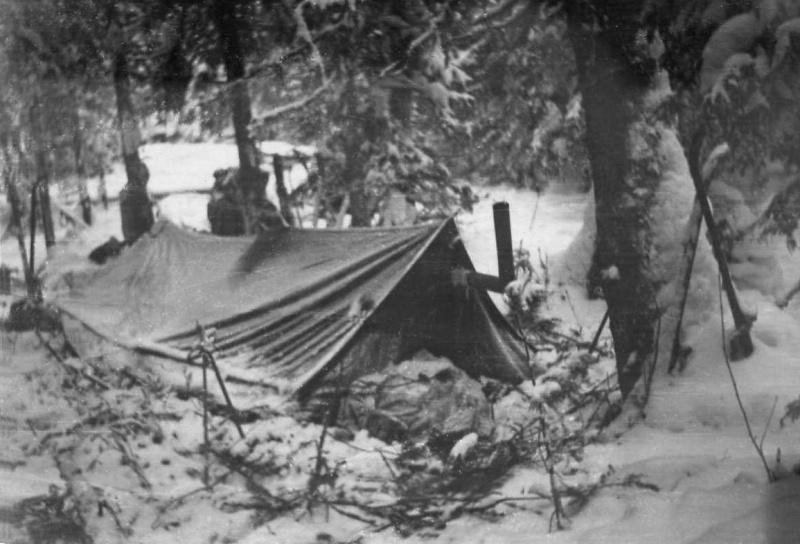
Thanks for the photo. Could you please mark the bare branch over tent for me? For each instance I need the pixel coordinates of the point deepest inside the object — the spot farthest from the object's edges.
(291, 106)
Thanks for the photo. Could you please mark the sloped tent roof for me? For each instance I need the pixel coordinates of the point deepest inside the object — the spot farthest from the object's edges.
(286, 300)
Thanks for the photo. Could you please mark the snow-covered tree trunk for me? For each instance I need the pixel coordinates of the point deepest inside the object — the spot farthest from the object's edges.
(643, 192)
(610, 94)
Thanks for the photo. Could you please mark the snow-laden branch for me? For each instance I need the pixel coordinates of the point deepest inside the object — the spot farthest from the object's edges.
(291, 106)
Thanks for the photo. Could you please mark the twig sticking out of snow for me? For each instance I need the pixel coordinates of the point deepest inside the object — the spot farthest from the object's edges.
(756, 445)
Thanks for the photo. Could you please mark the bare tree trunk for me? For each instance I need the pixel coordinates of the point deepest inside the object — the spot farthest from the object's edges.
(101, 187)
(16, 218)
(134, 202)
(319, 191)
(80, 172)
(343, 211)
(361, 127)
(42, 174)
(253, 181)
(280, 189)
(362, 206)
(47, 214)
(32, 230)
(610, 90)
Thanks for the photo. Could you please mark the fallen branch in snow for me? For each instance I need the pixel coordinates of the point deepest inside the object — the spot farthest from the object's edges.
(90, 502)
(634, 480)
(549, 464)
(130, 459)
(268, 500)
(409, 514)
(179, 500)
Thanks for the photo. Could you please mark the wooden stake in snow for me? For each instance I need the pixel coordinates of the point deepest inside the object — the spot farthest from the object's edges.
(204, 350)
(678, 353)
(740, 343)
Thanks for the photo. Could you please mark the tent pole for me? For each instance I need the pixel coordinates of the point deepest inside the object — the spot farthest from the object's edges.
(206, 448)
(221, 382)
(505, 250)
(740, 343)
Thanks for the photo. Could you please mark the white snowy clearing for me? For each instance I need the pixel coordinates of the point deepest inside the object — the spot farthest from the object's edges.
(687, 473)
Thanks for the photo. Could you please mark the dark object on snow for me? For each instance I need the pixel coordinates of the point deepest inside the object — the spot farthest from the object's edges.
(424, 398)
(225, 217)
(136, 210)
(86, 209)
(102, 253)
(283, 301)
(27, 315)
(226, 208)
(5, 280)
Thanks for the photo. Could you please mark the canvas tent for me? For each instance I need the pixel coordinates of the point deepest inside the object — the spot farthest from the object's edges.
(296, 303)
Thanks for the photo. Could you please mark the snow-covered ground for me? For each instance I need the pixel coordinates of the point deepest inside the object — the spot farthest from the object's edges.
(183, 167)
(687, 473)
(180, 175)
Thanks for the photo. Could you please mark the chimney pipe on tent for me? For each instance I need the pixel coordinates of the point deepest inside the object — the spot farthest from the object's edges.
(502, 235)
(505, 256)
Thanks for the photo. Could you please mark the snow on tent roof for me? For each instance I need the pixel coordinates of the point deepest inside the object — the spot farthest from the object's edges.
(296, 302)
